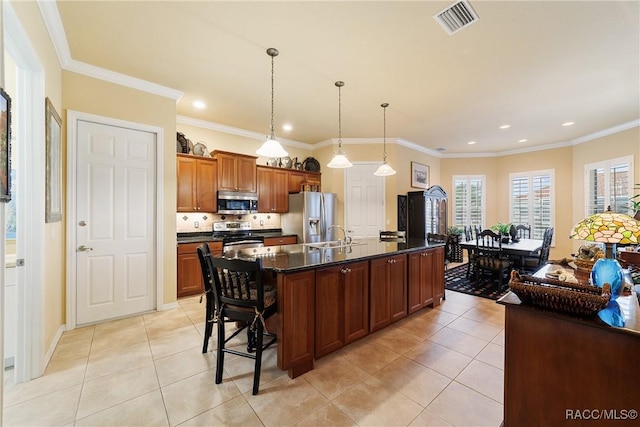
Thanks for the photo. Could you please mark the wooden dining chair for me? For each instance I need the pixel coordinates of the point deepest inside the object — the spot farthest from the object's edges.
(209, 294)
(532, 264)
(489, 256)
(241, 296)
(523, 231)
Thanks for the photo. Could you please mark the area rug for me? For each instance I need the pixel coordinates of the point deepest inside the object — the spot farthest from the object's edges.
(456, 280)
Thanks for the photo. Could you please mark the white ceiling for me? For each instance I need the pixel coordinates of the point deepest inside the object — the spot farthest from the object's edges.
(533, 65)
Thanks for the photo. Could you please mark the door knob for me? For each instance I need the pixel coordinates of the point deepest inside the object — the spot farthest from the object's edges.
(83, 248)
(82, 223)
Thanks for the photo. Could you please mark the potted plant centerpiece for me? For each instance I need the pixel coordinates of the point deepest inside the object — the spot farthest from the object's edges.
(503, 230)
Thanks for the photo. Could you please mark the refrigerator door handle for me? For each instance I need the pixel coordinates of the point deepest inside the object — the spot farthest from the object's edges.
(323, 218)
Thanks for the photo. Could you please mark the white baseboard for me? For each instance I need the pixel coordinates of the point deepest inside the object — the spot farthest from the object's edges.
(168, 306)
(52, 347)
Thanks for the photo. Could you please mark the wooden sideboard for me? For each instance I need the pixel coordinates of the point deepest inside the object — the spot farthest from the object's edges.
(564, 371)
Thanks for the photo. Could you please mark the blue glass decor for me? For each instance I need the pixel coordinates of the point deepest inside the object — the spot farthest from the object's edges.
(607, 270)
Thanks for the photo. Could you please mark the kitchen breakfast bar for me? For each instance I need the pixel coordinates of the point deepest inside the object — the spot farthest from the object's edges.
(329, 297)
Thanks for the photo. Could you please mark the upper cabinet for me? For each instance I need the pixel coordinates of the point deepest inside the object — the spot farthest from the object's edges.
(273, 186)
(303, 181)
(236, 172)
(196, 181)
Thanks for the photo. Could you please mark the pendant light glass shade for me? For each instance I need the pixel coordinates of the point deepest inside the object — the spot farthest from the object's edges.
(384, 169)
(271, 147)
(339, 160)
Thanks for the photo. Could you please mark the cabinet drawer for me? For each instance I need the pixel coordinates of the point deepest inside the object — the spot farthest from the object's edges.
(192, 248)
(277, 241)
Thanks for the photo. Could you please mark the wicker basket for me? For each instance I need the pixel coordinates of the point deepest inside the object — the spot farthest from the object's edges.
(583, 272)
(570, 298)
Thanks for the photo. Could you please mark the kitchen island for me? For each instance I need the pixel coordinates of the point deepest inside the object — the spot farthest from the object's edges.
(330, 297)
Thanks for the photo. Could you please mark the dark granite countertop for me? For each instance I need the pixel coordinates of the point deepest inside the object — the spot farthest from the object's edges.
(206, 236)
(294, 258)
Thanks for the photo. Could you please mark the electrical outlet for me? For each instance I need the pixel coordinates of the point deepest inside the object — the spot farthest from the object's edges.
(196, 224)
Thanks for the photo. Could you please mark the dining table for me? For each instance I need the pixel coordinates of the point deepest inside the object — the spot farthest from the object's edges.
(522, 248)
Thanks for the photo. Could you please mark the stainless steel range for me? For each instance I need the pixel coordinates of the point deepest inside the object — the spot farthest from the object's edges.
(236, 235)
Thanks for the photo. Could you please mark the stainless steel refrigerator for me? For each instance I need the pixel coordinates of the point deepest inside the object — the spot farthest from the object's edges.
(310, 215)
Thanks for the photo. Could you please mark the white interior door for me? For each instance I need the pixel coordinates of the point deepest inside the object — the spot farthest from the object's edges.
(115, 211)
(364, 201)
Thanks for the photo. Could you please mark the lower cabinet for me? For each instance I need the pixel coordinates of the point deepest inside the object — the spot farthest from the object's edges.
(279, 241)
(388, 291)
(342, 306)
(189, 272)
(426, 278)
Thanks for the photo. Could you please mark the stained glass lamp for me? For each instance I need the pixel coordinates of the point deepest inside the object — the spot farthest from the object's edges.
(609, 228)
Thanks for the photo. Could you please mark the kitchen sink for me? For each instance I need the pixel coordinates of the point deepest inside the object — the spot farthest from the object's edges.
(332, 244)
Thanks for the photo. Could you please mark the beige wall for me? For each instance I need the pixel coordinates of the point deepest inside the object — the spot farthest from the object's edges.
(88, 95)
(54, 238)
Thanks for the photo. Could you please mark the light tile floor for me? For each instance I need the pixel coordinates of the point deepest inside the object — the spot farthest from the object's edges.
(437, 367)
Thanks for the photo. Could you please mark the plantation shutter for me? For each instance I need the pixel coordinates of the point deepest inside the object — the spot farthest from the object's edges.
(609, 184)
(468, 200)
(532, 201)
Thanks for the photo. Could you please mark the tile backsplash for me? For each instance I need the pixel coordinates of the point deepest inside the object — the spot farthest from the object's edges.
(190, 222)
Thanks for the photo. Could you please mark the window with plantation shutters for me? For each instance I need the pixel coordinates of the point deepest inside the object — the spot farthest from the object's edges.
(468, 198)
(609, 184)
(531, 201)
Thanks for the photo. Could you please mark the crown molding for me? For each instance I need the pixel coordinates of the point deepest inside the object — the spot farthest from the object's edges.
(52, 21)
(204, 124)
(606, 132)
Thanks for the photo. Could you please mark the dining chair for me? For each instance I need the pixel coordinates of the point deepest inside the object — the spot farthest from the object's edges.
(468, 235)
(442, 238)
(523, 231)
(489, 256)
(209, 294)
(241, 296)
(532, 264)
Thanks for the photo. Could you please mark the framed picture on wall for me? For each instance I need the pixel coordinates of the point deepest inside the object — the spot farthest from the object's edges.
(53, 209)
(419, 175)
(5, 147)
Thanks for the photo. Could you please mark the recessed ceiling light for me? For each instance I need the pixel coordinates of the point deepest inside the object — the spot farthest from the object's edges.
(522, 140)
(471, 142)
(287, 127)
(568, 123)
(505, 126)
(199, 105)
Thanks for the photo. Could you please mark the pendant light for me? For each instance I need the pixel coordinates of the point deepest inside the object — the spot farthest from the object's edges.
(339, 160)
(384, 169)
(271, 147)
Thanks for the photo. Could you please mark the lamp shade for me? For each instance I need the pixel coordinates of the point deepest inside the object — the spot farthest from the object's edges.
(384, 170)
(339, 161)
(271, 148)
(607, 227)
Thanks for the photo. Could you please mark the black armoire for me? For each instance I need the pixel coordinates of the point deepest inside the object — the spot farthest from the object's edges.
(427, 212)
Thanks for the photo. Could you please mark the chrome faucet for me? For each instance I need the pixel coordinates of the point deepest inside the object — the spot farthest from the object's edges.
(347, 238)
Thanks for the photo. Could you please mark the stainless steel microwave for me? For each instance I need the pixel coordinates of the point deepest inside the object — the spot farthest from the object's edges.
(236, 203)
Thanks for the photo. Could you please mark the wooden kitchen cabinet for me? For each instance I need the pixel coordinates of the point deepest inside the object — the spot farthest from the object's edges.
(273, 189)
(342, 306)
(189, 273)
(426, 278)
(388, 291)
(236, 172)
(196, 182)
(297, 179)
(296, 316)
(279, 241)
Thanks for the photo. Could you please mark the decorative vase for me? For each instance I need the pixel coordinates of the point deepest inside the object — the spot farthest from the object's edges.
(609, 271)
(513, 233)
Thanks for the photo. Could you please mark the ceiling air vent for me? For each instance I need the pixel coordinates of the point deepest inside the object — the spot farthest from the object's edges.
(456, 17)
